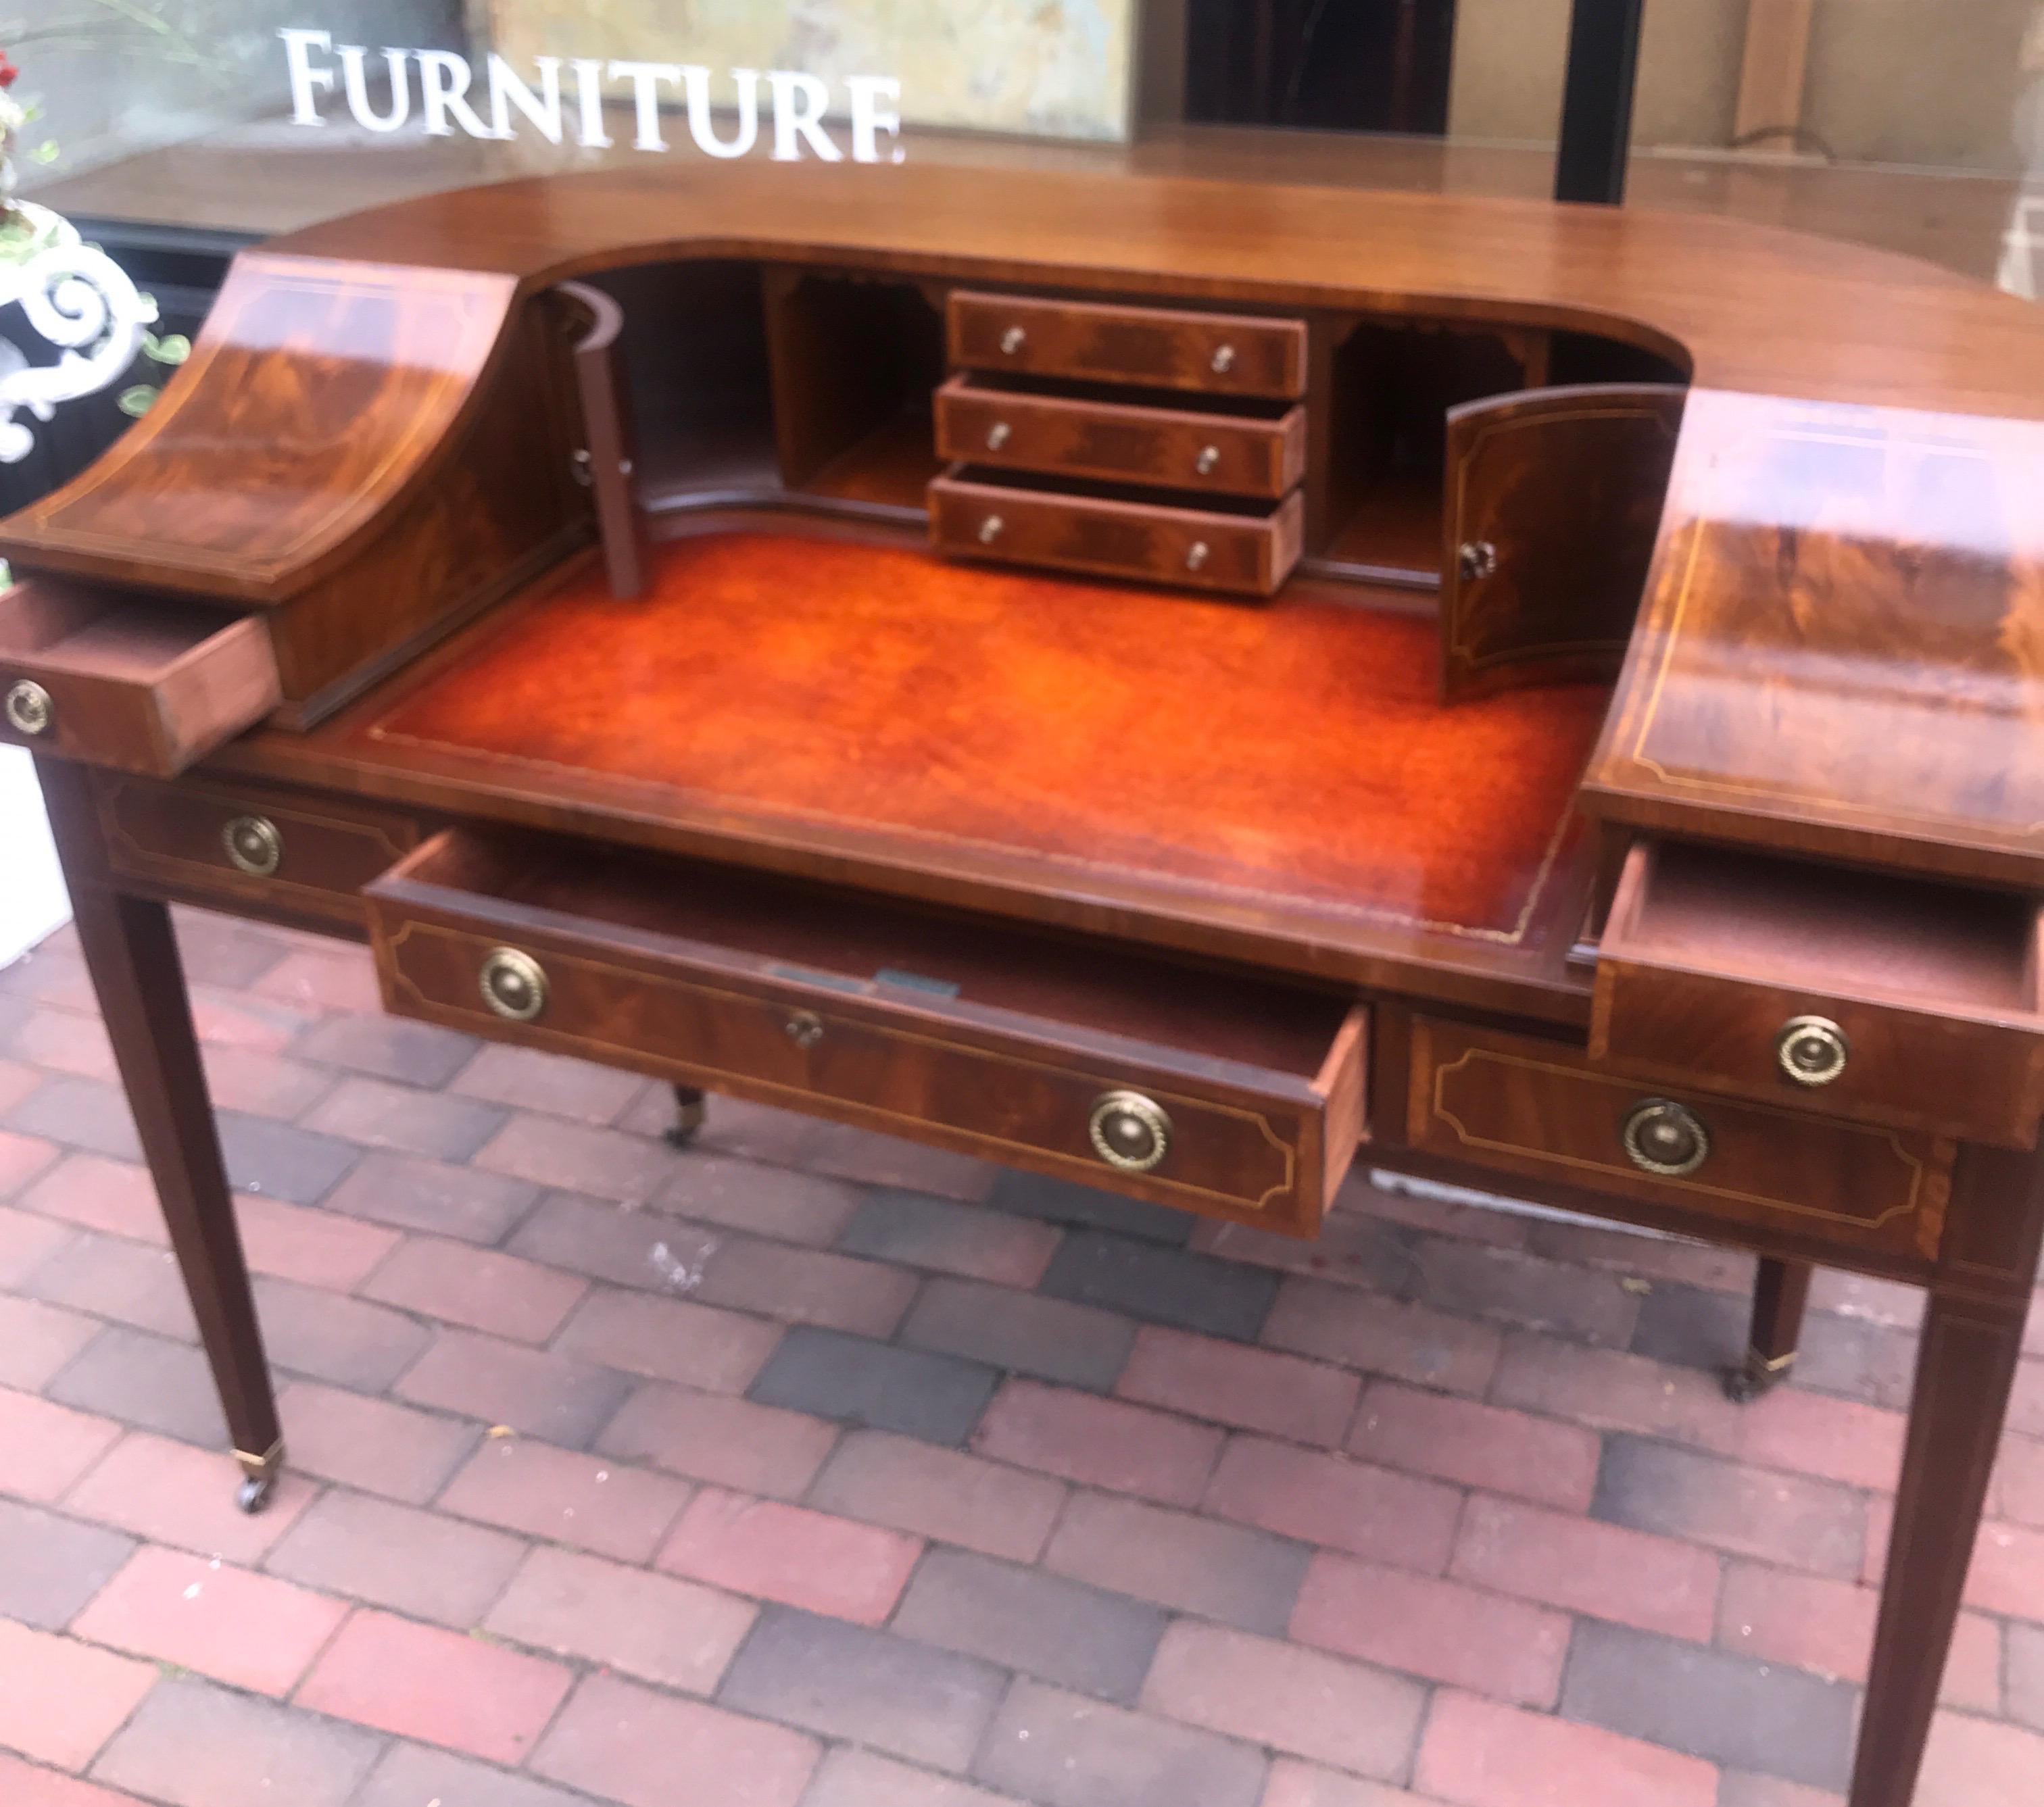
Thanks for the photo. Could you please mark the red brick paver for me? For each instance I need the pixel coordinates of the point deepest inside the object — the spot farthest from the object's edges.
(1382, 1520)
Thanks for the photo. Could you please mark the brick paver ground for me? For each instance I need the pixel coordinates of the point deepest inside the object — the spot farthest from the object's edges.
(807, 1469)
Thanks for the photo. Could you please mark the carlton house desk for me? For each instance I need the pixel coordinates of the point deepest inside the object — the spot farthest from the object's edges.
(1173, 685)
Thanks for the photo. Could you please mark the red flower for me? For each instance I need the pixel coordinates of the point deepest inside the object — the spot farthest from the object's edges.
(8, 71)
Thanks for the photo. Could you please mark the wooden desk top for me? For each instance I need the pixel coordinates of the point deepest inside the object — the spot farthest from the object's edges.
(1843, 652)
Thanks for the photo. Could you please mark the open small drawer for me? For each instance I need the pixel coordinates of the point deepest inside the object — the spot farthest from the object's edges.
(143, 685)
(1856, 994)
(1223, 1094)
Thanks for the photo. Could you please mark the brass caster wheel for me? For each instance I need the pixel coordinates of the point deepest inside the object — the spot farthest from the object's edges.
(254, 1493)
(259, 1477)
(1754, 1378)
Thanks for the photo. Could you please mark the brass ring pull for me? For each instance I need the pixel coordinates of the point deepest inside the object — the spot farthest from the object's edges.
(1208, 459)
(997, 435)
(1012, 340)
(253, 845)
(1129, 1131)
(989, 529)
(1222, 360)
(513, 984)
(1478, 559)
(1197, 555)
(1812, 1049)
(805, 1028)
(30, 708)
(1665, 1138)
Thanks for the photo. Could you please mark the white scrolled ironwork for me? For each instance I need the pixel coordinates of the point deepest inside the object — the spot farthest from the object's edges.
(74, 297)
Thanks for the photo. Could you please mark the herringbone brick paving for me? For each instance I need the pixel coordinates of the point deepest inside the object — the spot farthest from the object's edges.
(807, 1469)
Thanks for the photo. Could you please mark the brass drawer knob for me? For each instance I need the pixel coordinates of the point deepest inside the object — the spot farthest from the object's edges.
(997, 435)
(1812, 1049)
(1012, 340)
(253, 845)
(513, 984)
(1209, 457)
(989, 529)
(1196, 556)
(1129, 1131)
(1665, 1138)
(1222, 360)
(30, 709)
(1478, 560)
(805, 1028)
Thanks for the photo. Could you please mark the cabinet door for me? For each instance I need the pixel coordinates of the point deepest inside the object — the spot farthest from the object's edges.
(1554, 499)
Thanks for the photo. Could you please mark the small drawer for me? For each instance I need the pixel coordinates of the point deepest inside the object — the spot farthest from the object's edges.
(1851, 993)
(142, 685)
(1531, 1107)
(1248, 552)
(309, 855)
(1171, 448)
(1154, 347)
(1224, 1094)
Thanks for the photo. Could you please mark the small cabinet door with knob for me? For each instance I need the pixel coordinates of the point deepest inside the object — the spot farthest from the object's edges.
(1225, 1094)
(1553, 500)
(1894, 999)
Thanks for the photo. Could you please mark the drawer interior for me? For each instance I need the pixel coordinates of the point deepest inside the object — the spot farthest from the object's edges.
(857, 945)
(1895, 940)
(145, 683)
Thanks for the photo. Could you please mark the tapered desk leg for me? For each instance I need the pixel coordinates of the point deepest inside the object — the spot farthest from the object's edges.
(1781, 1294)
(132, 956)
(1964, 1372)
(690, 1108)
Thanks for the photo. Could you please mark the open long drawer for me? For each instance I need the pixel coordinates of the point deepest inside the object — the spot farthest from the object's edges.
(145, 684)
(1851, 993)
(1223, 1094)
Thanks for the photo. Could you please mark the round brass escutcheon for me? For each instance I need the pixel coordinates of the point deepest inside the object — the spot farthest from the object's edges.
(1812, 1049)
(1129, 1131)
(1665, 1138)
(29, 707)
(513, 984)
(805, 1028)
(253, 845)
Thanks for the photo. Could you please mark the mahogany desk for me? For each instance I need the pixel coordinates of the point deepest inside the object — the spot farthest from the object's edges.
(1162, 683)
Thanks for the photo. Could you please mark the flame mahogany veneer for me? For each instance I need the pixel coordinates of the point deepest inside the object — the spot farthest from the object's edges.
(1632, 796)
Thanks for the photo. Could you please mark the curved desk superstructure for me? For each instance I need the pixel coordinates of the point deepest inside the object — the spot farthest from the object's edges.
(1169, 684)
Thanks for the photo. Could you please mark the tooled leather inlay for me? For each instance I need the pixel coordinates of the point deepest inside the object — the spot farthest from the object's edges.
(1294, 750)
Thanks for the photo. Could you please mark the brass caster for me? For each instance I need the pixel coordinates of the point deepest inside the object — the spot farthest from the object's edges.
(254, 1493)
(1755, 1377)
(259, 1477)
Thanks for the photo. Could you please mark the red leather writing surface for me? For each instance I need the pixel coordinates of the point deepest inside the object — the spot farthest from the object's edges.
(1295, 750)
